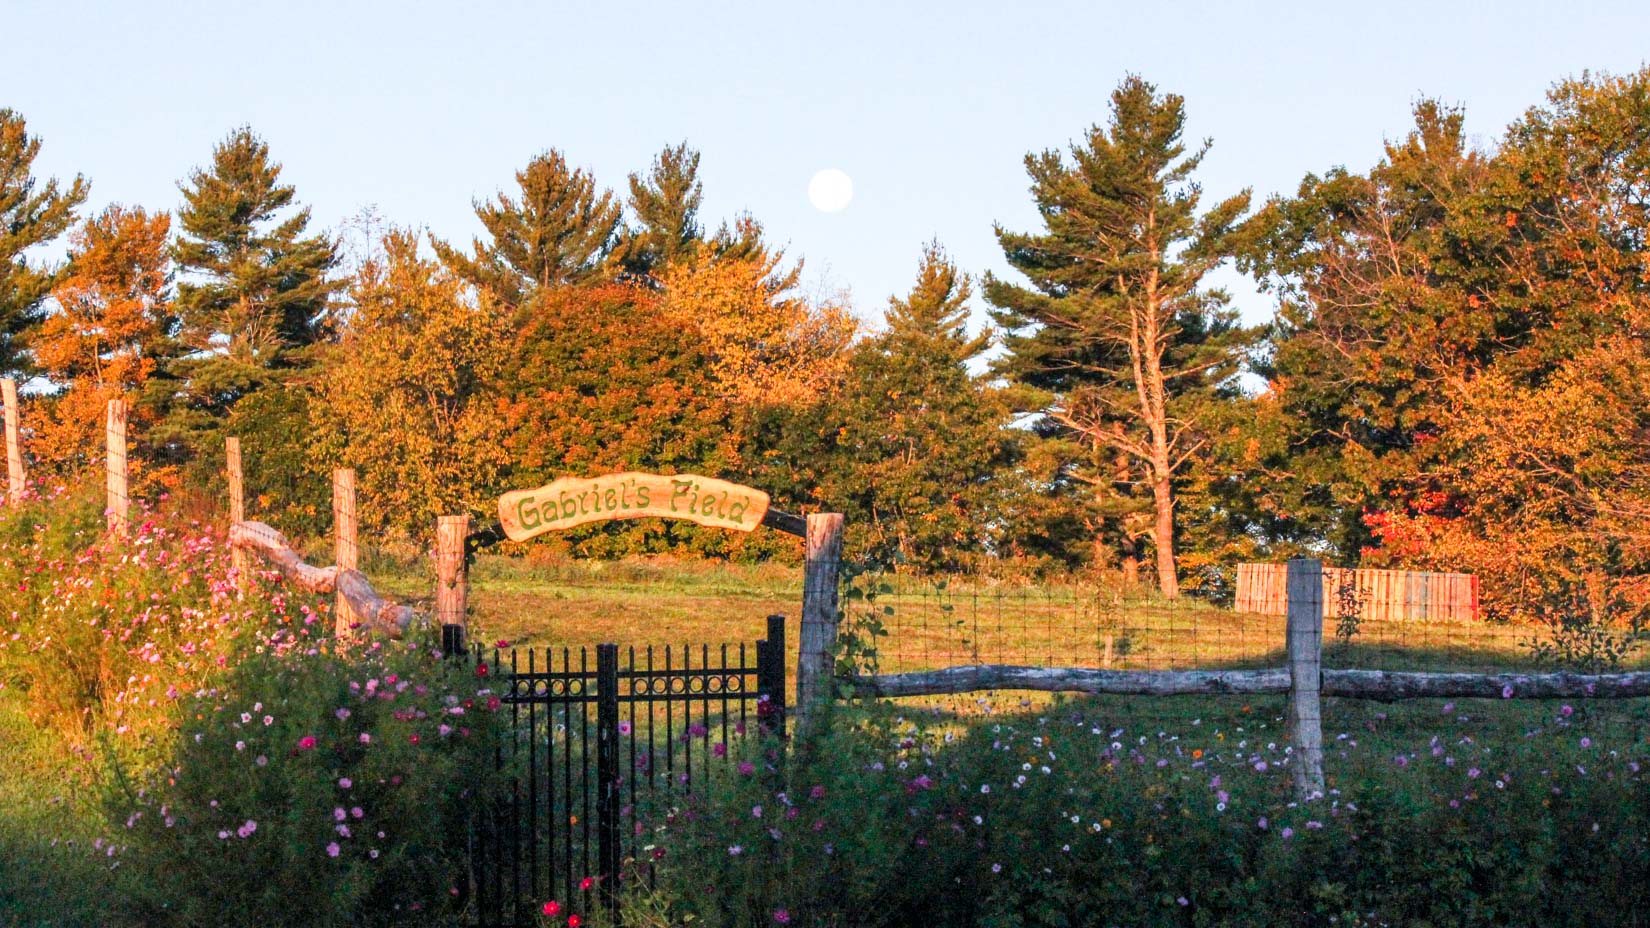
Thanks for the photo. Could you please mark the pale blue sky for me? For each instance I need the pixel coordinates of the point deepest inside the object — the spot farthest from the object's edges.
(418, 108)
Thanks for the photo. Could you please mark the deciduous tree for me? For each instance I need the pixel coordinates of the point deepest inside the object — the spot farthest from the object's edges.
(110, 327)
(409, 394)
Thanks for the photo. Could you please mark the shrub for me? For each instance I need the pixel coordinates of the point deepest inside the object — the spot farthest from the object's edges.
(313, 787)
(1068, 817)
(102, 633)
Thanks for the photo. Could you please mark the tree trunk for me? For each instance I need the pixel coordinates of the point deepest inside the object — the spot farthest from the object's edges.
(1129, 562)
(1168, 581)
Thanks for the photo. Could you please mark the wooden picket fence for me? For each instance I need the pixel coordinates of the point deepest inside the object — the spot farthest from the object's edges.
(1386, 595)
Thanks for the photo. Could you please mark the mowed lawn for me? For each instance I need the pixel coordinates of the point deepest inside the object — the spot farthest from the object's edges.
(928, 624)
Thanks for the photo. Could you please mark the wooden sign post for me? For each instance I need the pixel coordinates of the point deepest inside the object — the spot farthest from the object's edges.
(346, 554)
(14, 445)
(119, 500)
(239, 560)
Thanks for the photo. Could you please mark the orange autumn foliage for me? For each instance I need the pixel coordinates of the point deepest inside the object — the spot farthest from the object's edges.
(766, 344)
(107, 334)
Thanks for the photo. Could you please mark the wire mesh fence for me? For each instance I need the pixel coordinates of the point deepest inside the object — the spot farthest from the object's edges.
(930, 625)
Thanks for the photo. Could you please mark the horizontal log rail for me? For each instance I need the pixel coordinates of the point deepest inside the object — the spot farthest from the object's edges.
(1350, 684)
(376, 613)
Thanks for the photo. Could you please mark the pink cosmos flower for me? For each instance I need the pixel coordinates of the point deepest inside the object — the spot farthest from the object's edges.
(332, 849)
(306, 742)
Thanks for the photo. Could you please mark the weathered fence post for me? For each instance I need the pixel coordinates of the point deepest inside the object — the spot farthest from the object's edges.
(345, 553)
(1304, 641)
(452, 580)
(119, 500)
(238, 558)
(14, 445)
(821, 559)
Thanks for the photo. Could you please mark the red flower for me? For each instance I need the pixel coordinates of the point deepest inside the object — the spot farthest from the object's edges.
(552, 908)
(306, 742)
(412, 738)
(587, 882)
(573, 921)
(481, 670)
(492, 704)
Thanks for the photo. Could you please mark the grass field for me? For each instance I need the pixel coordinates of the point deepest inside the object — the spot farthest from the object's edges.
(638, 602)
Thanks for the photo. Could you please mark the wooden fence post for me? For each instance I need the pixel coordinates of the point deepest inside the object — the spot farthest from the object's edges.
(238, 558)
(821, 560)
(452, 580)
(1304, 642)
(119, 500)
(14, 446)
(345, 553)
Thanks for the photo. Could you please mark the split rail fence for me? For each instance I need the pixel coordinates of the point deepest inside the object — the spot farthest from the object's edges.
(1303, 678)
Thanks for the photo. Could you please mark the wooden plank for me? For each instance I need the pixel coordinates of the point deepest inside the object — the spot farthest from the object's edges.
(1393, 685)
(984, 677)
(785, 522)
(1345, 684)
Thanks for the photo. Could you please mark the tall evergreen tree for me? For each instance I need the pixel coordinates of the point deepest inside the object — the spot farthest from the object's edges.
(1116, 325)
(666, 206)
(915, 441)
(31, 213)
(253, 298)
(560, 231)
(250, 289)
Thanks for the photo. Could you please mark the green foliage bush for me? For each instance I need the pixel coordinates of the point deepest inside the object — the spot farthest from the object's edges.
(313, 787)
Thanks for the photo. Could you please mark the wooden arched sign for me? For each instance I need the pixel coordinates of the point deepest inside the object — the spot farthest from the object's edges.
(574, 501)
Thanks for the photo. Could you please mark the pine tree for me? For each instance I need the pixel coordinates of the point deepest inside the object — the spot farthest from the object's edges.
(1116, 324)
(560, 231)
(915, 440)
(666, 206)
(251, 290)
(936, 309)
(32, 213)
(253, 300)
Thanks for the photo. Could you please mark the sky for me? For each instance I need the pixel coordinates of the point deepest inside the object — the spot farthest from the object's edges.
(414, 110)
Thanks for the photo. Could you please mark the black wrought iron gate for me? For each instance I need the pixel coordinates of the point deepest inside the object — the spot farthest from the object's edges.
(595, 744)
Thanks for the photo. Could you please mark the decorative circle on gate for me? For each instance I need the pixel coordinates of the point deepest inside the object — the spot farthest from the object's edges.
(716, 684)
(678, 685)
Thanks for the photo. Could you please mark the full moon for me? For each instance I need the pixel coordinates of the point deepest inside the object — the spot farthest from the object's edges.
(830, 190)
